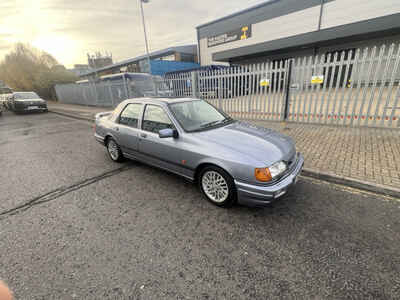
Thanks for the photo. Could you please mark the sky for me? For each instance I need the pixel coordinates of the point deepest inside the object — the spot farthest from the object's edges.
(69, 29)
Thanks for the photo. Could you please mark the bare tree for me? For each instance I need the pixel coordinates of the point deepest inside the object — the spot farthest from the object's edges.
(26, 68)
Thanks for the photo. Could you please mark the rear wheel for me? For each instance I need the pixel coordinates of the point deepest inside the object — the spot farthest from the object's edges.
(114, 151)
(217, 186)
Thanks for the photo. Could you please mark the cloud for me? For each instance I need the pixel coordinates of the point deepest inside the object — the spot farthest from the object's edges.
(103, 25)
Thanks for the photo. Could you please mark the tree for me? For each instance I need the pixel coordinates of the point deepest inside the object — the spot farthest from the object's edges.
(26, 68)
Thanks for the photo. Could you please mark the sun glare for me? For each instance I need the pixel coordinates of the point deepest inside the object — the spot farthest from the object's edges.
(61, 47)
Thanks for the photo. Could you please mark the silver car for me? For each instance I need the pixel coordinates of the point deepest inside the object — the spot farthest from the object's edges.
(232, 161)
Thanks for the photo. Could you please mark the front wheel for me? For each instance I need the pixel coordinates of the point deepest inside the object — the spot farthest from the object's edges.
(217, 186)
(114, 151)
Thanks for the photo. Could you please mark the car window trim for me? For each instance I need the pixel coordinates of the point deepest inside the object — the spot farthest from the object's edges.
(144, 112)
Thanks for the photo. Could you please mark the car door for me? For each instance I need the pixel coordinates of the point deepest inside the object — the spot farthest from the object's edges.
(162, 152)
(127, 128)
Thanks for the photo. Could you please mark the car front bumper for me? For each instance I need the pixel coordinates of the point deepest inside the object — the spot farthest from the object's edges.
(99, 138)
(259, 195)
(30, 108)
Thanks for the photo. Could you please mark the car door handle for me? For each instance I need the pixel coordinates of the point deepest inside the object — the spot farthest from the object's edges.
(143, 135)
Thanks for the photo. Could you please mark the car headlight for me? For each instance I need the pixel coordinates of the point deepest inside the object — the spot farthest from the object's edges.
(267, 174)
(277, 169)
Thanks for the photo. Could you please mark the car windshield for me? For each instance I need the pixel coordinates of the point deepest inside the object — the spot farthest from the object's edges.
(198, 115)
(30, 95)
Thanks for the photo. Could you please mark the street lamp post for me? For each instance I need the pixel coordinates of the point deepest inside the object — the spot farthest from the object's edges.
(145, 33)
(147, 46)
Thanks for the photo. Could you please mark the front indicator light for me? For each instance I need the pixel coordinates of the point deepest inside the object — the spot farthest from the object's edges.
(262, 174)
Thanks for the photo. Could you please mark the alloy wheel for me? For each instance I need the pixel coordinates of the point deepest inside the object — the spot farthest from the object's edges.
(215, 186)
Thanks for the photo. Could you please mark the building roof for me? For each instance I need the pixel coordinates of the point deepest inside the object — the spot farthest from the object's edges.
(186, 49)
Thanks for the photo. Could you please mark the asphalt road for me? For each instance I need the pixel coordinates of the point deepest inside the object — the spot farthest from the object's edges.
(74, 225)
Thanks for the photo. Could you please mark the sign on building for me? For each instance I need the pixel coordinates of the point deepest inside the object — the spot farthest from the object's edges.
(242, 33)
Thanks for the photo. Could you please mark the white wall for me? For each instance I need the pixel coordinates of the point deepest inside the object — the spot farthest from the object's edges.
(292, 24)
(340, 12)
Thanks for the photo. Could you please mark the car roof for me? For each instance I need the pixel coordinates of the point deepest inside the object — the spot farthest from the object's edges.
(160, 100)
(24, 92)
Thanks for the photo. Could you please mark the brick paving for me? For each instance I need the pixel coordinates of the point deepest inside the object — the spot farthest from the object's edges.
(371, 155)
(367, 154)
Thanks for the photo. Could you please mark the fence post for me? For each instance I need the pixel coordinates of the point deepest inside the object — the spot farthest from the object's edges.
(126, 87)
(195, 85)
(111, 94)
(219, 91)
(95, 92)
(287, 90)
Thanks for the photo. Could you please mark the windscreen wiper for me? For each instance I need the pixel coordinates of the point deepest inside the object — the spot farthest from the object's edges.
(210, 124)
(216, 122)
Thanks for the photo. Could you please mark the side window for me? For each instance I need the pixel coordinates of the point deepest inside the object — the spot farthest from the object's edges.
(155, 119)
(130, 115)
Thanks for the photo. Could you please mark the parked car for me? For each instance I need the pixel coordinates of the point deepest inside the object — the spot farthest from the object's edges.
(231, 160)
(26, 102)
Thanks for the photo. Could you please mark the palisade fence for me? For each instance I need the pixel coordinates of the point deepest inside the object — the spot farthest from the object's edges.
(104, 94)
(354, 87)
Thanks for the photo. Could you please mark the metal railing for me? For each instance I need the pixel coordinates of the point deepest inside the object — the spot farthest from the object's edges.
(356, 87)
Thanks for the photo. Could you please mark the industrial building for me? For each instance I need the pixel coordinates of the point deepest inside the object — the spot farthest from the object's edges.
(281, 29)
(162, 61)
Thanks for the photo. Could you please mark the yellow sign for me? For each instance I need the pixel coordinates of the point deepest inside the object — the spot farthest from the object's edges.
(317, 79)
(264, 82)
(244, 33)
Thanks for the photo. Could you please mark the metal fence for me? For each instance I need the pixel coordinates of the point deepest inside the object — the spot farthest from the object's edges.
(108, 93)
(94, 94)
(356, 87)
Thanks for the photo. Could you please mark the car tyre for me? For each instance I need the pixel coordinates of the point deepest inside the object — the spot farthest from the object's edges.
(217, 186)
(114, 151)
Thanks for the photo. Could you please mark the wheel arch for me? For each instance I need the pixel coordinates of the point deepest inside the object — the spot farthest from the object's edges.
(107, 137)
(205, 164)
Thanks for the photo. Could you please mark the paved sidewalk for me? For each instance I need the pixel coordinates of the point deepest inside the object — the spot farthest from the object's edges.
(367, 158)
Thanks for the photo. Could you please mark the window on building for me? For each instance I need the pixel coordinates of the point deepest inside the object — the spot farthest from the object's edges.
(168, 57)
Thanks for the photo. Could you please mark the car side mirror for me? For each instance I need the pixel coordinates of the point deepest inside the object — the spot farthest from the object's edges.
(168, 132)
